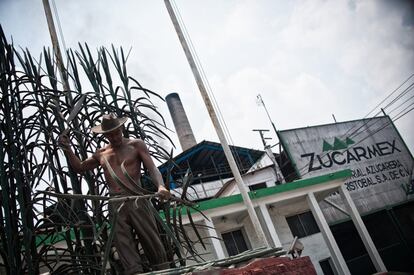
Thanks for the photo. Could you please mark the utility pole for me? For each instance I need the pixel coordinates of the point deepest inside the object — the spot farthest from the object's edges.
(278, 171)
(201, 86)
(261, 102)
(261, 131)
(56, 48)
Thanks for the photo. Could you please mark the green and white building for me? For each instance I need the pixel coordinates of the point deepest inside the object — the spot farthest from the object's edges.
(351, 205)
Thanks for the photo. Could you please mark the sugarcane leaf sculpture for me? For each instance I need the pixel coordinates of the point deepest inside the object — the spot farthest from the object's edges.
(53, 219)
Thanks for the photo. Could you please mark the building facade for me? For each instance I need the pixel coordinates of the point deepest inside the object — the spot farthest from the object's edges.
(379, 184)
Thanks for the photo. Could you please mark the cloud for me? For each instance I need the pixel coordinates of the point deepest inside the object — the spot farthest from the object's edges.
(308, 58)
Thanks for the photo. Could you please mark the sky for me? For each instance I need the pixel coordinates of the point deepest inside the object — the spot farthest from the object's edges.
(308, 59)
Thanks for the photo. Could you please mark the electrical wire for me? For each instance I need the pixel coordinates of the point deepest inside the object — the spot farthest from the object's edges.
(355, 131)
(401, 105)
(398, 116)
(394, 91)
(404, 92)
(355, 128)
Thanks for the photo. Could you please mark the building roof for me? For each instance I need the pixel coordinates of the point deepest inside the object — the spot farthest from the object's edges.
(207, 161)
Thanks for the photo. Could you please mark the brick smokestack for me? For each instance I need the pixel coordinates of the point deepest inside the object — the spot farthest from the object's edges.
(180, 120)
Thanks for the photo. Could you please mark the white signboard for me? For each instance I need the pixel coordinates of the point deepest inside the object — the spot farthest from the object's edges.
(372, 148)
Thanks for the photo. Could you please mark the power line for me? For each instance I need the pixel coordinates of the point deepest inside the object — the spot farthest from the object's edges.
(395, 90)
(398, 116)
(401, 104)
(355, 131)
(399, 96)
(404, 92)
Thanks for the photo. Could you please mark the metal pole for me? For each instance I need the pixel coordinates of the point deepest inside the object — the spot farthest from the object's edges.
(56, 47)
(261, 131)
(259, 97)
(276, 167)
(217, 126)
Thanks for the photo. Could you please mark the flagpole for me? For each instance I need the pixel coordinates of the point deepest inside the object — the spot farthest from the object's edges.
(203, 91)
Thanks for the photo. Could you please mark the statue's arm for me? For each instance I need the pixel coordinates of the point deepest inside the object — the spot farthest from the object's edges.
(77, 165)
(153, 171)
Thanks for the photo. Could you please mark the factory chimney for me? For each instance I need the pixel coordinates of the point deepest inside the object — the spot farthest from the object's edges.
(181, 124)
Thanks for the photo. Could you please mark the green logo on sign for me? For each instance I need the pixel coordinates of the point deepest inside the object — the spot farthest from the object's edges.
(337, 145)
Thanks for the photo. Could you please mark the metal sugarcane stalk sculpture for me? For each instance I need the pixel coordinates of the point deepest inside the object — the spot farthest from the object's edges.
(40, 232)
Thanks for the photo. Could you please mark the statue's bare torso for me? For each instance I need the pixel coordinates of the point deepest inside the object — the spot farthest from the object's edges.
(128, 154)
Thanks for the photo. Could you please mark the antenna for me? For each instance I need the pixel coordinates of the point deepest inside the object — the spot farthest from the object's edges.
(260, 102)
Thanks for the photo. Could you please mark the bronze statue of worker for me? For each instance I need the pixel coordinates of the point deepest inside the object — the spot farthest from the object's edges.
(131, 152)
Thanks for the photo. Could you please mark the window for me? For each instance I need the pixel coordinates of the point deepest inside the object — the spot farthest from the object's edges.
(302, 225)
(327, 266)
(257, 186)
(234, 242)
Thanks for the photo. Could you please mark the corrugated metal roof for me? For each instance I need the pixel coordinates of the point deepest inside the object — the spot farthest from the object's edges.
(208, 162)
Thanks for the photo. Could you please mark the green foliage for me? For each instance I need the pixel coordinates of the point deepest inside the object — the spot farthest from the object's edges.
(40, 232)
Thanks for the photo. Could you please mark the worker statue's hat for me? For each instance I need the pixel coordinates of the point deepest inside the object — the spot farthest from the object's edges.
(109, 123)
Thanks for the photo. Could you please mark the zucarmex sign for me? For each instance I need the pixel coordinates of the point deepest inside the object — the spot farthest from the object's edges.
(342, 156)
(371, 148)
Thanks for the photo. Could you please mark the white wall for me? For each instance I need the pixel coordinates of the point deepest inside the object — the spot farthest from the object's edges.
(264, 175)
(207, 254)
